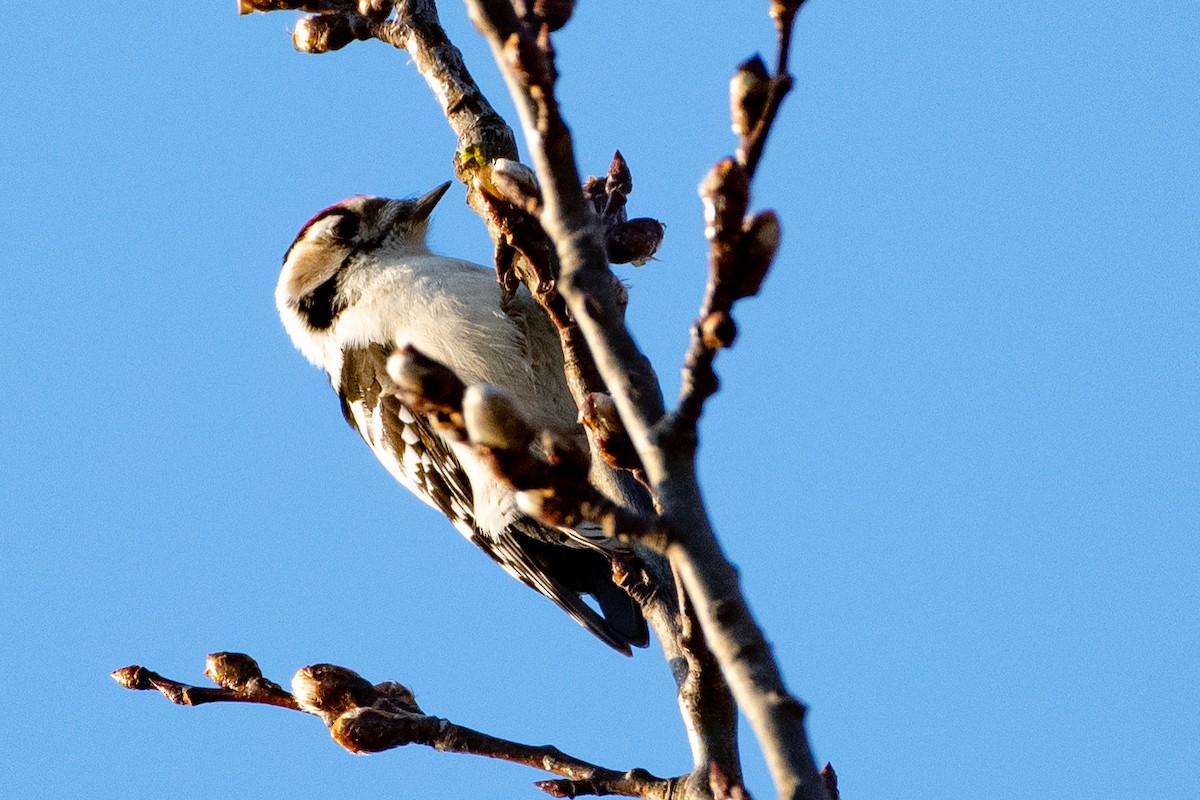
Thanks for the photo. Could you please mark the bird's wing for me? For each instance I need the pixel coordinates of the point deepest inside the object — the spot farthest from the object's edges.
(407, 445)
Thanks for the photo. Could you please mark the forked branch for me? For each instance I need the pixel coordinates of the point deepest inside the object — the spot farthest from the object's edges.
(665, 445)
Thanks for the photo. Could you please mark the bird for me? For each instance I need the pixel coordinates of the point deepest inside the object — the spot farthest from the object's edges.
(359, 282)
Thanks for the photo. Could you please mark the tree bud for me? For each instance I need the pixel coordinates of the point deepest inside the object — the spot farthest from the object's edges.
(748, 90)
(634, 241)
(397, 696)
(323, 33)
(755, 253)
(232, 670)
(420, 377)
(377, 10)
(725, 192)
(617, 185)
(718, 330)
(330, 690)
(493, 420)
(512, 182)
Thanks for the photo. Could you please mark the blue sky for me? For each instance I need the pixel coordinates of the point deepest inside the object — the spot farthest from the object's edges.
(955, 456)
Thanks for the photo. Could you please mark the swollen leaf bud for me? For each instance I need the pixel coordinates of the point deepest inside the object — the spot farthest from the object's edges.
(373, 730)
(377, 10)
(512, 182)
(718, 330)
(330, 690)
(635, 241)
(726, 193)
(748, 90)
(232, 670)
(398, 696)
(419, 377)
(493, 420)
(620, 179)
(756, 251)
(132, 677)
(323, 33)
(549, 508)
(783, 10)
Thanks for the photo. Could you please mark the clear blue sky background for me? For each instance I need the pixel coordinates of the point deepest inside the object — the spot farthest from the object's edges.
(956, 454)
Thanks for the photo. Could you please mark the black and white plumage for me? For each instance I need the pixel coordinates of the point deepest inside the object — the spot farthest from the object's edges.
(358, 282)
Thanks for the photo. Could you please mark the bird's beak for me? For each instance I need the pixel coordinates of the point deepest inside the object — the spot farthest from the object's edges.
(427, 201)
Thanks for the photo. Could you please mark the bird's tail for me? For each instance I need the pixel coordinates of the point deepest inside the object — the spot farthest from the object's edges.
(565, 574)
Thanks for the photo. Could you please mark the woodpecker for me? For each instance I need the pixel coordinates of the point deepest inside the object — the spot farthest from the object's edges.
(357, 283)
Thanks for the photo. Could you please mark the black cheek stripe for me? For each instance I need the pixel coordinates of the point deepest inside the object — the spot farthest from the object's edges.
(321, 306)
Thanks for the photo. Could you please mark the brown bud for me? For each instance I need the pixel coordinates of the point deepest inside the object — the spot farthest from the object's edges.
(784, 10)
(748, 89)
(617, 186)
(421, 378)
(635, 241)
(756, 251)
(718, 330)
(232, 670)
(512, 182)
(323, 33)
(549, 508)
(377, 10)
(397, 696)
(132, 677)
(365, 730)
(328, 689)
(493, 419)
(373, 730)
(599, 413)
(619, 178)
(726, 193)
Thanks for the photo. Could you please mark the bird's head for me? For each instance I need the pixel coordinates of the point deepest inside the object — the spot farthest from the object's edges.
(338, 239)
(338, 245)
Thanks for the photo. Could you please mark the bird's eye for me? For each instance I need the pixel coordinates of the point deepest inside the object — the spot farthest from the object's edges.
(345, 227)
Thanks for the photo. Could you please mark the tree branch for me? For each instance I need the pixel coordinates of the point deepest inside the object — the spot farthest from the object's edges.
(366, 718)
(587, 285)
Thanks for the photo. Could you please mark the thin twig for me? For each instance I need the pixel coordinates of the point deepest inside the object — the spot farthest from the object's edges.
(182, 694)
(366, 718)
(783, 12)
